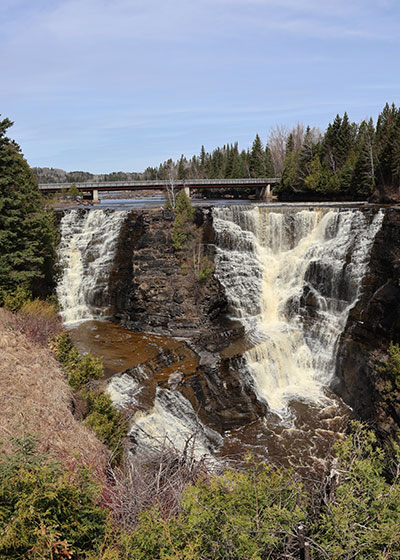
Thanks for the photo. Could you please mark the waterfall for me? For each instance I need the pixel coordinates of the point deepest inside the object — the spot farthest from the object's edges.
(173, 422)
(291, 277)
(89, 242)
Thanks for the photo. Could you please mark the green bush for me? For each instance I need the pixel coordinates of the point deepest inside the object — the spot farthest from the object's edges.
(179, 234)
(15, 299)
(392, 366)
(184, 217)
(63, 347)
(45, 511)
(235, 516)
(183, 205)
(73, 191)
(83, 370)
(361, 518)
(79, 370)
(206, 270)
(108, 423)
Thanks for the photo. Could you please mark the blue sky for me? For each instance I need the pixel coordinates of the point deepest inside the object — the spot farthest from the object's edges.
(108, 85)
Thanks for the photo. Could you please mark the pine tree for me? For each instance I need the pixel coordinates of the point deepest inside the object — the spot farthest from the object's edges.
(314, 177)
(290, 144)
(182, 168)
(363, 178)
(330, 144)
(396, 152)
(384, 144)
(345, 140)
(308, 150)
(362, 182)
(269, 164)
(27, 232)
(202, 157)
(290, 173)
(256, 162)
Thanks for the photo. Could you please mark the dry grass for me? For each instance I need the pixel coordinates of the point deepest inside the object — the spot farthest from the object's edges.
(38, 320)
(35, 399)
(151, 478)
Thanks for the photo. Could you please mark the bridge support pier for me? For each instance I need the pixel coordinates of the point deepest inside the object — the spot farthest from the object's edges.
(265, 193)
(187, 191)
(95, 196)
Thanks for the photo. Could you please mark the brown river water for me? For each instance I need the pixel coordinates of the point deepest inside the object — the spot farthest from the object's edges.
(303, 439)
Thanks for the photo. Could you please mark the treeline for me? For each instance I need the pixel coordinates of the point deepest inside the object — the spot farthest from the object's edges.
(54, 175)
(349, 160)
(221, 163)
(225, 162)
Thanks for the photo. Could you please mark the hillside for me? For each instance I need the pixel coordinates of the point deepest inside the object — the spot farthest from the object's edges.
(36, 399)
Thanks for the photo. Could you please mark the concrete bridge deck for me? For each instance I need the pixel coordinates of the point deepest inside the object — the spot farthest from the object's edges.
(262, 184)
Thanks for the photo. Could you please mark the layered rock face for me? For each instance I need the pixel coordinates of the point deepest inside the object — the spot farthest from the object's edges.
(162, 292)
(372, 325)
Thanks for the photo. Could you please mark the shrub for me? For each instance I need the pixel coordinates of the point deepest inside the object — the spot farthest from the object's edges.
(63, 347)
(238, 515)
(83, 370)
(108, 423)
(15, 299)
(183, 205)
(206, 270)
(45, 511)
(179, 234)
(79, 370)
(392, 365)
(360, 517)
(184, 216)
(73, 191)
(38, 320)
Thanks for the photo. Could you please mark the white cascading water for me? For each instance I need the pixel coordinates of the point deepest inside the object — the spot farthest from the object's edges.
(89, 240)
(173, 422)
(291, 276)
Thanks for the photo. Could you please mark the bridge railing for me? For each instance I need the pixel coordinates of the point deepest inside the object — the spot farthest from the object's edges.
(161, 183)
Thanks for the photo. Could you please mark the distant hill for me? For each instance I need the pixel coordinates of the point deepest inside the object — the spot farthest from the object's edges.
(54, 175)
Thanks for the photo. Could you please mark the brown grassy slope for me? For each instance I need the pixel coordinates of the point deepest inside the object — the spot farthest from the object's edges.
(35, 399)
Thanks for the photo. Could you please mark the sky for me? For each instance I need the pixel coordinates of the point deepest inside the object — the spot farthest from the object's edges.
(120, 85)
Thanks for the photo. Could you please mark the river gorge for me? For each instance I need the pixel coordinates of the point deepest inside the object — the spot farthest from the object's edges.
(271, 353)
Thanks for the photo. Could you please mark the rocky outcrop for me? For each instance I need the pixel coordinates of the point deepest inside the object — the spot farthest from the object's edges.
(372, 325)
(220, 390)
(162, 292)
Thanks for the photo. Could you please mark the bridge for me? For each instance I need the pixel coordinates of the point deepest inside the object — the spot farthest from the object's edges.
(261, 184)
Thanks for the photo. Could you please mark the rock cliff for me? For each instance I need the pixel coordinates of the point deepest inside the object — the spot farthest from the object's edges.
(162, 292)
(372, 325)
